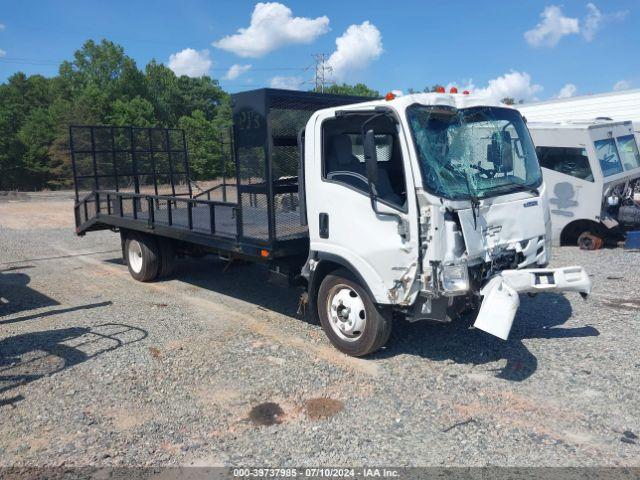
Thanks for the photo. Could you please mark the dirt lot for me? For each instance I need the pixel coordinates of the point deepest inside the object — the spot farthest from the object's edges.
(212, 367)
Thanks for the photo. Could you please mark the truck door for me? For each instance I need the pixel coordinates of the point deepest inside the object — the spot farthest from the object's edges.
(383, 249)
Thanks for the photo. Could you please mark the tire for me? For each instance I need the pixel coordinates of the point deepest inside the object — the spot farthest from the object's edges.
(348, 316)
(143, 256)
(167, 257)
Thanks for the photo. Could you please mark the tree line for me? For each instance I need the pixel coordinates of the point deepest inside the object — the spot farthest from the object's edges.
(102, 85)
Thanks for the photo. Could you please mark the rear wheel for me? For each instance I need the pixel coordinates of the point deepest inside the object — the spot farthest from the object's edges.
(349, 317)
(590, 241)
(167, 257)
(143, 256)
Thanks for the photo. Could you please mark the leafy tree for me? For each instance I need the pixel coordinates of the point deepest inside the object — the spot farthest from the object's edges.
(138, 112)
(203, 139)
(359, 89)
(36, 134)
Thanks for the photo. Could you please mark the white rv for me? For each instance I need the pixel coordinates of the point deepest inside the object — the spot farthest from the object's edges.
(591, 169)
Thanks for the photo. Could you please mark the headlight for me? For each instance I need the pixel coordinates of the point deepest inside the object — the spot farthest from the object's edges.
(455, 278)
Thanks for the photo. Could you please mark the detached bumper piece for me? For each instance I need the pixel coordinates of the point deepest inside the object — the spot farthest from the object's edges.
(501, 300)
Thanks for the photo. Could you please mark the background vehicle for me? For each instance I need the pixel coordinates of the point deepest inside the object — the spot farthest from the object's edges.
(591, 169)
(613, 106)
(424, 205)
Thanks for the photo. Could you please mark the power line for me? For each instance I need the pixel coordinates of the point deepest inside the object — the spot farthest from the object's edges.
(40, 61)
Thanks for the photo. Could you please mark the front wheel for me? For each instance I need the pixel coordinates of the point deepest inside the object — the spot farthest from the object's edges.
(349, 317)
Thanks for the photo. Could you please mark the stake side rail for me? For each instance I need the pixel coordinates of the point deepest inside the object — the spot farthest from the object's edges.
(212, 224)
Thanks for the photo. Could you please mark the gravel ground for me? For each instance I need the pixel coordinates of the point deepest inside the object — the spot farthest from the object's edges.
(212, 367)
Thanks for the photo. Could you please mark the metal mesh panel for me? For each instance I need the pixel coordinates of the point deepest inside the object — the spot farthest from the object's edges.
(181, 184)
(153, 160)
(287, 214)
(85, 186)
(285, 161)
(287, 117)
(127, 207)
(225, 221)
(161, 211)
(164, 185)
(255, 222)
(201, 215)
(180, 214)
(251, 164)
(91, 208)
(255, 215)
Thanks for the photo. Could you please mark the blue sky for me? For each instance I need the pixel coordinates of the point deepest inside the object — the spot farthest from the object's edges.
(590, 46)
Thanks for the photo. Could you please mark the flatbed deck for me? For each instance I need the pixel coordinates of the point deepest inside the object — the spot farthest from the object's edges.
(212, 224)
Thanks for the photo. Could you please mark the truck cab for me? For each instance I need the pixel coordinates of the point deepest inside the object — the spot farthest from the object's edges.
(428, 204)
(591, 169)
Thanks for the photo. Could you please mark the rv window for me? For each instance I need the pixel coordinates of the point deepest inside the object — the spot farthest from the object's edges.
(629, 152)
(608, 156)
(570, 161)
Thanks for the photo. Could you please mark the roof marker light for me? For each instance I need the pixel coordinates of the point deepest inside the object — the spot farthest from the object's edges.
(453, 90)
(440, 89)
(466, 92)
(389, 96)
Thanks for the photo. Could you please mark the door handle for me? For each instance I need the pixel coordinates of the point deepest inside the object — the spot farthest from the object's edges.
(324, 225)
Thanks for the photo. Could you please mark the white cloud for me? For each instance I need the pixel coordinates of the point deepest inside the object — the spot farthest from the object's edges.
(2, 53)
(595, 19)
(288, 83)
(569, 90)
(236, 70)
(190, 62)
(622, 85)
(514, 84)
(272, 26)
(356, 48)
(552, 28)
(591, 22)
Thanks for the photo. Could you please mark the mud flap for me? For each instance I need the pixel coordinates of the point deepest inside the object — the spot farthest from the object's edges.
(498, 308)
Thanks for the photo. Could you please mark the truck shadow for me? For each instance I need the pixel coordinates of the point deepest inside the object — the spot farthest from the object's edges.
(244, 281)
(540, 317)
(28, 357)
(16, 295)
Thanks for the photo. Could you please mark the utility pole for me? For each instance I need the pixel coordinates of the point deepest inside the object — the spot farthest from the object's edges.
(322, 71)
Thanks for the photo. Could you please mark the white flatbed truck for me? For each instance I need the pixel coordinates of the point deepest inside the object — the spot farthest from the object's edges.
(424, 205)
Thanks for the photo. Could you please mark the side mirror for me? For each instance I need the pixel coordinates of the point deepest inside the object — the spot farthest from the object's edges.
(370, 156)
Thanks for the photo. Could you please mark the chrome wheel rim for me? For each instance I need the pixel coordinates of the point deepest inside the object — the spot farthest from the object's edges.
(346, 312)
(134, 254)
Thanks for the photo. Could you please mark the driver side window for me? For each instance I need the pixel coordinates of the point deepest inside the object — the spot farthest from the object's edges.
(343, 159)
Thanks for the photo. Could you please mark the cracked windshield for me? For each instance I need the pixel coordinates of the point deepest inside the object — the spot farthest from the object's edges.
(474, 152)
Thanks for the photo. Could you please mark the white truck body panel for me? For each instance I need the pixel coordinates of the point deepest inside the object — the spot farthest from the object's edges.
(618, 106)
(572, 198)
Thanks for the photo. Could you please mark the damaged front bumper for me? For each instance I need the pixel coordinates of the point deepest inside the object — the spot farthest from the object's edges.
(501, 293)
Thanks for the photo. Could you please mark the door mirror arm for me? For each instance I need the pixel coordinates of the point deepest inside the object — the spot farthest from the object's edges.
(371, 163)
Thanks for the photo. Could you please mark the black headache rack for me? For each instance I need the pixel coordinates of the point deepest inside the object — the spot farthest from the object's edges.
(139, 178)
